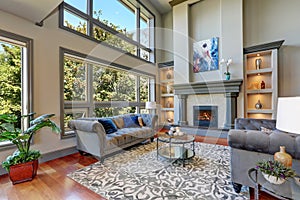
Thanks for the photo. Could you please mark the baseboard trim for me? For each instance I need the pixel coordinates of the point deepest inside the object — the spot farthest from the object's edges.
(51, 156)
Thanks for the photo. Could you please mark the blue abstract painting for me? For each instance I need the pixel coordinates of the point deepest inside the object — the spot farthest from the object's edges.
(206, 55)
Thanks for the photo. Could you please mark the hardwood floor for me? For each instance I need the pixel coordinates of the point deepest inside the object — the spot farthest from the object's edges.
(51, 181)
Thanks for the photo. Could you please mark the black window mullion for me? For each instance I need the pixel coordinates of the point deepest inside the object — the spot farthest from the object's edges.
(90, 14)
(75, 11)
(138, 26)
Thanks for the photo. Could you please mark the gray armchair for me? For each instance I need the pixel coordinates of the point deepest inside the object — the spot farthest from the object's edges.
(248, 144)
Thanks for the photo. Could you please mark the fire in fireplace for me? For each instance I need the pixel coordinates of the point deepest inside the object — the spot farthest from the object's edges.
(206, 116)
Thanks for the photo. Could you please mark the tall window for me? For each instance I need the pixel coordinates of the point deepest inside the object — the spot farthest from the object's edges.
(122, 24)
(15, 76)
(94, 88)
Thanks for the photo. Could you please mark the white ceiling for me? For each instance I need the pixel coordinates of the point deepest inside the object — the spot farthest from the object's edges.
(162, 6)
(37, 10)
(32, 10)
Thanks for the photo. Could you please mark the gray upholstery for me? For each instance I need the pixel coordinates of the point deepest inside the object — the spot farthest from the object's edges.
(250, 145)
(92, 138)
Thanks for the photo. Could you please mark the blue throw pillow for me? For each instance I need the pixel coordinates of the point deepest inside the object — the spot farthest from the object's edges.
(131, 121)
(108, 125)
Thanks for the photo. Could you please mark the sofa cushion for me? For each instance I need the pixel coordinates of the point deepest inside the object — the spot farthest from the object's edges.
(118, 121)
(141, 122)
(131, 121)
(147, 119)
(108, 125)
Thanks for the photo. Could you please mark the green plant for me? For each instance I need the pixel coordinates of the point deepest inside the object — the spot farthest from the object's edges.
(22, 139)
(275, 168)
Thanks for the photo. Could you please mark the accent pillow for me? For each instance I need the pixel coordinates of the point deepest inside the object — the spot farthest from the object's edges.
(141, 122)
(119, 122)
(131, 121)
(108, 125)
(266, 130)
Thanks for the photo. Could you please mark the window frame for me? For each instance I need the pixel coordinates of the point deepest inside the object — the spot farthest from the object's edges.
(90, 103)
(91, 21)
(27, 75)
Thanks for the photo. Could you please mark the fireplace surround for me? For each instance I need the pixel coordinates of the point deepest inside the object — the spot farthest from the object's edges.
(230, 89)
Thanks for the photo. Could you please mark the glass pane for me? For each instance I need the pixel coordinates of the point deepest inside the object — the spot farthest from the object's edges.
(116, 15)
(113, 40)
(74, 22)
(145, 55)
(111, 111)
(74, 80)
(10, 79)
(144, 32)
(144, 89)
(73, 114)
(79, 4)
(113, 85)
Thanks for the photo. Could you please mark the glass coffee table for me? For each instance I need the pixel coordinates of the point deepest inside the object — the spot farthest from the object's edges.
(176, 147)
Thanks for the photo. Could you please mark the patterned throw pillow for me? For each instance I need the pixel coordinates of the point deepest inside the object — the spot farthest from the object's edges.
(141, 122)
(108, 125)
(266, 130)
(131, 121)
(119, 122)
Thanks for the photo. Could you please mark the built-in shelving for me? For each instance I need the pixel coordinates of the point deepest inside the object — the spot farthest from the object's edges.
(166, 92)
(261, 80)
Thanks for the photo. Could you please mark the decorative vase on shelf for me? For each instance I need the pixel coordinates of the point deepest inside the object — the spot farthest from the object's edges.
(262, 85)
(283, 157)
(258, 105)
(273, 179)
(169, 76)
(169, 89)
(258, 63)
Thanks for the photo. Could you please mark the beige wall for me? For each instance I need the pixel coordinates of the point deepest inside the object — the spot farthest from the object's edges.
(272, 20)
(47, 40)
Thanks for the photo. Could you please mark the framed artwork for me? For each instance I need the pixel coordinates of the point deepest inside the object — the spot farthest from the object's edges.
(206, 55)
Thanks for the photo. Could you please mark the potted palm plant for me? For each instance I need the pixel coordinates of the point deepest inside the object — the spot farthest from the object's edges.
(23, 163)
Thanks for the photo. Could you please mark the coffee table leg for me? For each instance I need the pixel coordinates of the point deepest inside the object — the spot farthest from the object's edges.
(157, 148)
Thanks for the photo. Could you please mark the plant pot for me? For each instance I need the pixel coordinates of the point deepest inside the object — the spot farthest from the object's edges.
(227, 77)
(23, 172)
(273, 179)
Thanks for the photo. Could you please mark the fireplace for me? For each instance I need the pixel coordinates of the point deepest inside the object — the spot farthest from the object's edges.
(206, 116)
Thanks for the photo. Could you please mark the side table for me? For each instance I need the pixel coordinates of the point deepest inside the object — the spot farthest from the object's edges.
(290, 189)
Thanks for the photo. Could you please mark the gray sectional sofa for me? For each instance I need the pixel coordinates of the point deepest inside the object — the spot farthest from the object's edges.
(249, 144)
(99, 139)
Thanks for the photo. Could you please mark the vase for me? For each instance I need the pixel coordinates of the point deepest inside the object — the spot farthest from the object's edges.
(169, 76)
(283, 157)
(258, 105)
(258, 63)
(227, 77)
(273, 179)
(23, 172)
(169, 89)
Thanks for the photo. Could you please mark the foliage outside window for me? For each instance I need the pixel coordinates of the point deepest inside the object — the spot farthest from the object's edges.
(128, 27)
(15, 77)
(92, 89)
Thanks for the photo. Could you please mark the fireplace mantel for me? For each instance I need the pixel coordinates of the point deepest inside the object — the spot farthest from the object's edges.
(230, 89)
(211, 87)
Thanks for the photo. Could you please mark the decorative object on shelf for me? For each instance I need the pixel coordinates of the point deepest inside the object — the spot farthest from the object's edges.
(258, 62)
(283, 157)
(169, 89)
(169, 76)
(262, 85)
(23, 163)
(274, 171)
(227, 63)
(287, 118)
(168, 105)
(258, 105)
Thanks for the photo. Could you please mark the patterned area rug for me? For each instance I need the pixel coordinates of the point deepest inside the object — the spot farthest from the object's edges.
(138, 174)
